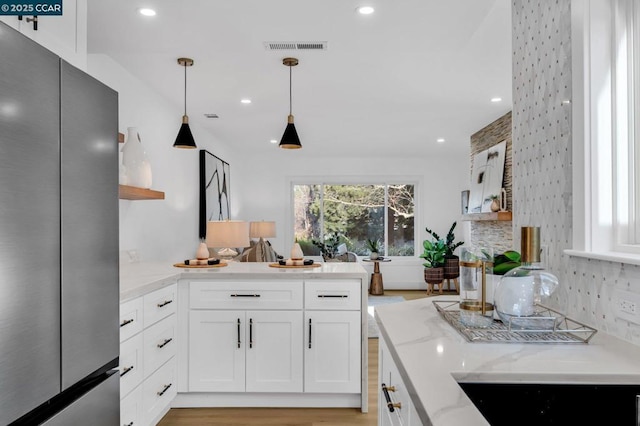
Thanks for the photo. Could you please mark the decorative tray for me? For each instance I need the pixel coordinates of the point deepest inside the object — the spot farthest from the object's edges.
(564, 329)
(277, 265)
(182, 265)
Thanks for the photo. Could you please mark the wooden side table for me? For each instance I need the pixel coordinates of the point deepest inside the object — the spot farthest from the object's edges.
(376, 288)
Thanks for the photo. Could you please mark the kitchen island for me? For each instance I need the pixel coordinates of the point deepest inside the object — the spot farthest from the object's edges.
(432, 358)
(245, 334)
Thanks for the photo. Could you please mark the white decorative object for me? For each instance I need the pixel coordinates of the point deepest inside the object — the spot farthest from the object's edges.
(486, 178)
(122, 175)
(296, 252)
(134, 158)
(203, 251)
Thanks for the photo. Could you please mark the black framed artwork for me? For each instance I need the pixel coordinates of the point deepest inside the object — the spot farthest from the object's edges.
(214, 190)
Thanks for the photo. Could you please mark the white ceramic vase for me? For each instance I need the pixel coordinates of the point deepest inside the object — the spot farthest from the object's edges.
(134, 158)
(296, 252)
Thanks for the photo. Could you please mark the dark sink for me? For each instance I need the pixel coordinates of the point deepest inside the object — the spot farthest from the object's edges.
(553, 404)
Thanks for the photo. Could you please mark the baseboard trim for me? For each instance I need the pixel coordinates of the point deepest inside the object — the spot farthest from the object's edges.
(199, 399)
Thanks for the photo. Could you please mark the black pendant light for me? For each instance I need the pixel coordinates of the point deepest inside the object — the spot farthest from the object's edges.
(290, 139)
(185, 138)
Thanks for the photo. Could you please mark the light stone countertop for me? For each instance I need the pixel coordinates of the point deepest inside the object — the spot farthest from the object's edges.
(433, 357)
(137, 279)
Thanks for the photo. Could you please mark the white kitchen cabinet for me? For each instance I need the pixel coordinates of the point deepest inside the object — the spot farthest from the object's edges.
(65, 35)
(131, 410)
(216, 351)
(238, 351)
(394, 405)
(332, 351)
(332, 336)
(274, 353)
(148, 327)
(248, 340)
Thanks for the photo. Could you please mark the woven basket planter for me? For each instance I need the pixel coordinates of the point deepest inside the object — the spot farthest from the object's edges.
(451, 268)
(434, 275)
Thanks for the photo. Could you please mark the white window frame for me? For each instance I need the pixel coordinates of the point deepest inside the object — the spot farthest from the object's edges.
(416, 181)
(605, 208)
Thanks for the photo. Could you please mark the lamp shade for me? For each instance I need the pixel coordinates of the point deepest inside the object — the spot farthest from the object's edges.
(262, 229)
(290, 139)
(185, 137)
(227, 233)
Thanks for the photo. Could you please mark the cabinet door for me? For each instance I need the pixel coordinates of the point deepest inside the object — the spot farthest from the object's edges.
(216, 351)
(274, 352)
(65, 35)
(332, 351)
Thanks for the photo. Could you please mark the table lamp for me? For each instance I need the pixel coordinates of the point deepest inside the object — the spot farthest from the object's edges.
(261, 230)
(227, 235)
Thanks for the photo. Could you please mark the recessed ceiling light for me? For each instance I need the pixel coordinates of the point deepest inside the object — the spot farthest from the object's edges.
(496, 99)
(440, 140)
(145, 11)
(273, 141)
(246, 101)
(365, 10)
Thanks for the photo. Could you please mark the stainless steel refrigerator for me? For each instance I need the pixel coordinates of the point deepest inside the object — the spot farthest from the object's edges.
(59, 286)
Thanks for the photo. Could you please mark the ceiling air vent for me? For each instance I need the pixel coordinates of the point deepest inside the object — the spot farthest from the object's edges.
(295, 45)
(210, 115)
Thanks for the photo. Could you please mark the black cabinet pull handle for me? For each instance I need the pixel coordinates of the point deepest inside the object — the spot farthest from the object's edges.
(309, 333)
(165, 303)
(239, 333)
(125, 322)
(126, 370)
(245, 295)
(129, 424)
(250, 332)
(390, 405)
(163, 344)
(340, 296)
(166, 388)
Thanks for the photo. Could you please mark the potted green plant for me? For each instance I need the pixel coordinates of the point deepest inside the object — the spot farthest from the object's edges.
(452, 262)
(374, 248)
(503, 263)
(329, 246)
(433, 256)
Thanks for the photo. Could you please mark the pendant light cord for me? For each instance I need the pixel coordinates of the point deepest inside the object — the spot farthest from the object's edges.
(185, 88)
(290, 96)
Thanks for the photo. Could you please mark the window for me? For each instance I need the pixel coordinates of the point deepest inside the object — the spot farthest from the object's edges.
(606, 130)
(357, 212)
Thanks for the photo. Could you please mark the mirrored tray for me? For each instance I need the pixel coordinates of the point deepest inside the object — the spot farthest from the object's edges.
(554, 327)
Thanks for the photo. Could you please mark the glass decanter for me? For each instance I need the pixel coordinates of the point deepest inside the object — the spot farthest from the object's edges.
(523, 288)
(475, 263)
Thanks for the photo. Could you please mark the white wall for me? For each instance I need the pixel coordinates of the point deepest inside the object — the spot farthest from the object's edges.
(165, 230)
(266, 195)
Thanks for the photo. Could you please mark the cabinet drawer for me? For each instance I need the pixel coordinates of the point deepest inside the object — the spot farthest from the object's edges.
(159, 344)
(130, 364)
(158, 391)
(131, 413)
(245, 295)
(332, 295)
(160, 304)
(130, 318)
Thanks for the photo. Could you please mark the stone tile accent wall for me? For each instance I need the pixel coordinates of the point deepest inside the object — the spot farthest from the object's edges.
(494, 234)
(542, 165)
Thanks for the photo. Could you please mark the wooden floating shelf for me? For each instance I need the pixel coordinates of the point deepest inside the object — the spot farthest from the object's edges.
(120, 137)
(499, 216)
(134, 193)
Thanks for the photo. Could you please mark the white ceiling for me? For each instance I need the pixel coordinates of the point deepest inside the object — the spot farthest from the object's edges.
(390, 83)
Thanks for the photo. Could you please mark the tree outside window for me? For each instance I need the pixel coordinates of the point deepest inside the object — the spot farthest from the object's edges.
(357, 212)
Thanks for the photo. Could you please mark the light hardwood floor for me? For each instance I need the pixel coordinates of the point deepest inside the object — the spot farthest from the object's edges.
(292, 416)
